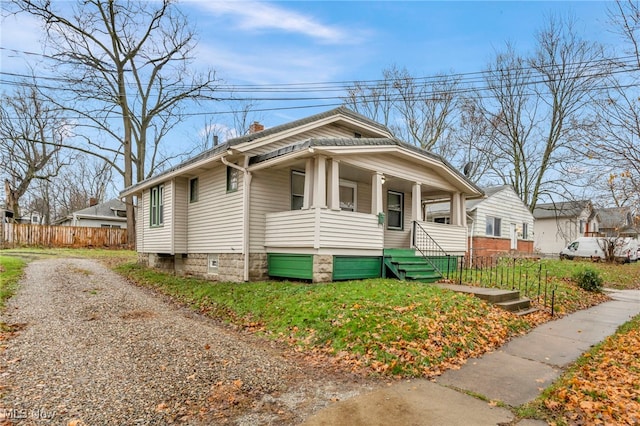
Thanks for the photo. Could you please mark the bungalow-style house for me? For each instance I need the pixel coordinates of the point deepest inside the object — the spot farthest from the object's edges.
(498, 223)
(321, 198)
(558, 224)
(616, 222)
(110, 214)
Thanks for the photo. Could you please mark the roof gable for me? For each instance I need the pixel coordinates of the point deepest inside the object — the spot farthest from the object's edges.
(561, 209)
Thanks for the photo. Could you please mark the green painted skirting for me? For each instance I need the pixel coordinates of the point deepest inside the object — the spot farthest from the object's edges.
(283, 265)
(356, 267)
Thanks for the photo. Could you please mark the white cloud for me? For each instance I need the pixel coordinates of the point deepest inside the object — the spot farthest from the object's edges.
(265, 65)
(265, 16)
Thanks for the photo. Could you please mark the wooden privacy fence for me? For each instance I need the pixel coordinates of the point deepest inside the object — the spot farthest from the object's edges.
(16, 235)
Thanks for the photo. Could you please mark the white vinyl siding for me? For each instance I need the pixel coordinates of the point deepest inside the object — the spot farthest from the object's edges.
(215, 221)
(157, 239)
(452, 239)
(394, 166)
(330, 131)
(267, 196)
(323, 229)
(505, 205)
(394, 238)
(180, 202)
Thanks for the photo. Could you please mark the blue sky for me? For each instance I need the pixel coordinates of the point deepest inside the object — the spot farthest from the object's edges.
(268, 43)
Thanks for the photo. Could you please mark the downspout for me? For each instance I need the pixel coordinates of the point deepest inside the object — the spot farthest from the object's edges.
(246, 186)
(473, 226)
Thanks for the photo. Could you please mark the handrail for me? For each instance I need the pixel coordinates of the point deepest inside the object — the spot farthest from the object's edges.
(431, 246)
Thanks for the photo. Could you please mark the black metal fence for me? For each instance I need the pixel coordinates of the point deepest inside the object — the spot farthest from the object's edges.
(528, 276)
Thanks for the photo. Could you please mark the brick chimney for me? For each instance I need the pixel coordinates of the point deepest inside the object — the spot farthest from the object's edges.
(255, 127)
(93, 201)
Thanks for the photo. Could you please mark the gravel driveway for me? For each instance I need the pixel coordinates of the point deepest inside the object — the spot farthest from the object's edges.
(95, 350)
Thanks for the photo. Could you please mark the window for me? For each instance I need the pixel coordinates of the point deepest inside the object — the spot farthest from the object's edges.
(525, 231)
(348, 195)
(581, 227)
(445, 220)
(395, 210)
(157, 205)
(297, 190)
(233, 177)
(493, 226)
(193, 190)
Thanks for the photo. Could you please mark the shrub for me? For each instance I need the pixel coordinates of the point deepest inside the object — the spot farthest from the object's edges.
(588, 279)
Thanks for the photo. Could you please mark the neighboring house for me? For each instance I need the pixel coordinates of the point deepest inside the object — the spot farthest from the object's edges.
(498, 223)
(319, 198)
(110, 214)
(32, 218)
(616, 222)
(558, 224)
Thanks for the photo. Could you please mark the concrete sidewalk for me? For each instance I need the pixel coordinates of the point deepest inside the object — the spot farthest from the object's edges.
(514, 374)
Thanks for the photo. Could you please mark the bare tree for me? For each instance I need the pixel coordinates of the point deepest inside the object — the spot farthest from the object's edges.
(537, 109)
(616, 141)
(417, 110)
(123, 62)
(31, 138)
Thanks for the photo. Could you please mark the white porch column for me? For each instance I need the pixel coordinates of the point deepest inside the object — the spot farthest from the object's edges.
(463, 210)
(457, 209)
(376, 193)
(320, 183)
(308, 184)
(416, 202)
(334, 185)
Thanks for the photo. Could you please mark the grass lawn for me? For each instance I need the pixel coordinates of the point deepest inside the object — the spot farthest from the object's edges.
(10, 273)
(387, 326)
(602, 387)
(383, 326)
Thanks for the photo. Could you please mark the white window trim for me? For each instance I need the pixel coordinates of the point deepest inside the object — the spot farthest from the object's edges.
(354, 186)
(297, 173)
(156, 199)
(192, 198)
(499, 228)
(401, 227)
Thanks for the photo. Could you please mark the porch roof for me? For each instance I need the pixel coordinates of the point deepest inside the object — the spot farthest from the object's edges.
(364, 142)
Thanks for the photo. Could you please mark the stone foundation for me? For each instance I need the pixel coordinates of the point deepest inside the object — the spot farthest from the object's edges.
(322, 268)
(230, 266)
(258, 268)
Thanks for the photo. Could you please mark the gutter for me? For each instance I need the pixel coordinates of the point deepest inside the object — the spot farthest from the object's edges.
(246, 188)
(470, 238)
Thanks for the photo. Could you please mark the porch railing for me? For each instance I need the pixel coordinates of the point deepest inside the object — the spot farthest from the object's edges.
(432, 252)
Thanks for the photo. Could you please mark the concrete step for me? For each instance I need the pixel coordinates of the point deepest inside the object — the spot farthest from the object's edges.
(526, 311)
(491, 295)
(515, 305)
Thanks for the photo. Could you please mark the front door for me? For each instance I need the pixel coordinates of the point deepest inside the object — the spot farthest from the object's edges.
(513, 232)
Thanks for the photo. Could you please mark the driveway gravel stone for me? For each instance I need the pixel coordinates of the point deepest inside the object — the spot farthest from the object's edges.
(93, 349)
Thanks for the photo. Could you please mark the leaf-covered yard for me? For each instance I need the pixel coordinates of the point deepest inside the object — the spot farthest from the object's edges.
(603, 387)
(378, 325)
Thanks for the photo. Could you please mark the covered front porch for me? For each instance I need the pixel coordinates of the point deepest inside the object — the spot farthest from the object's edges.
(346, 209)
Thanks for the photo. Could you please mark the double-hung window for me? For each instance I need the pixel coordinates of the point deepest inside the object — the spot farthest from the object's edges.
(525, 230)
(157, 205)
(348, 195)
(297, 190)
(395, 210)
(233, 177)
(193, 190)
(494, 225)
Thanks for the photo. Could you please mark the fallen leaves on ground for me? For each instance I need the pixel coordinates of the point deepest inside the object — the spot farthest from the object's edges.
(604, 388)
